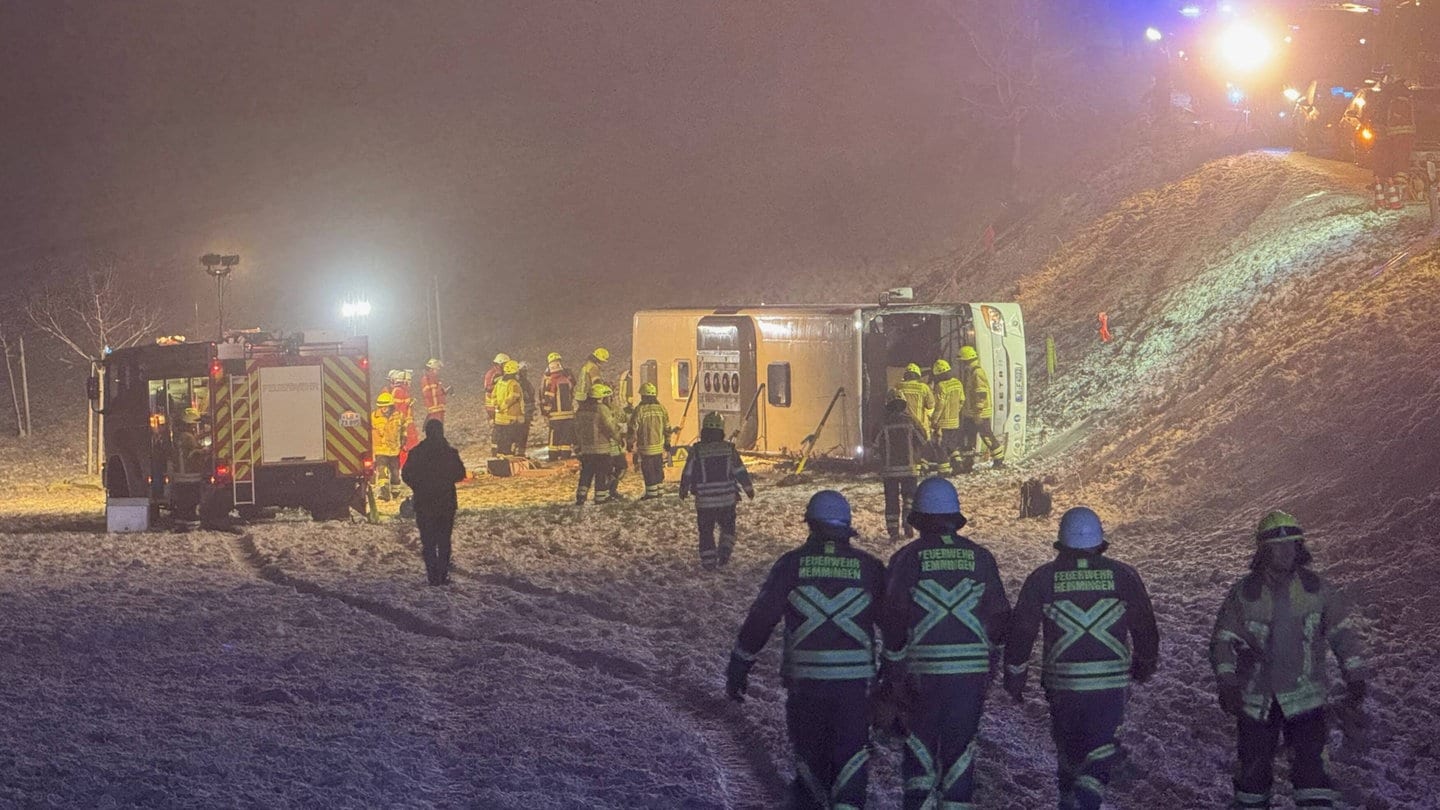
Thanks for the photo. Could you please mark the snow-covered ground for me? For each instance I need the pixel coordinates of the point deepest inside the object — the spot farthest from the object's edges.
(1268, 354)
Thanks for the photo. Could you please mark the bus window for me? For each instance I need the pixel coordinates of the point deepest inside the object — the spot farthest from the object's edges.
(777, 384)
(681, 380)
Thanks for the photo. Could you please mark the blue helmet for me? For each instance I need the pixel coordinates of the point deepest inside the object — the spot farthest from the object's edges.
(936, 496)
(1080, 529)
(830, 508)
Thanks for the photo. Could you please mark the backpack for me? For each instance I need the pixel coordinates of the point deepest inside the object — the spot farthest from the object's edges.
(1034, 500)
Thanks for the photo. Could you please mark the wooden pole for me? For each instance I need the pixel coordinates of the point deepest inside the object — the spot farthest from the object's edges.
(14, 392)
(25, 385)
(439, 335)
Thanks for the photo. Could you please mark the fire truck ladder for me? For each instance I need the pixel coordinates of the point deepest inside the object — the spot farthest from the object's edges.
(244, 441)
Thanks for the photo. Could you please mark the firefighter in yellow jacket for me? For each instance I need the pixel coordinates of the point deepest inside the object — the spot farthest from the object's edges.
(386, 426)
(919, 399)
(976, 414)
(590, 373)
(650, 430)
(949, 403)
(509, 401)
(1268, 652)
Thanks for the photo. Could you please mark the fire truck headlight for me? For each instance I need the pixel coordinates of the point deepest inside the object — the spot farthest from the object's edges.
(1366, 134)
(1244, 47)
(206, 442)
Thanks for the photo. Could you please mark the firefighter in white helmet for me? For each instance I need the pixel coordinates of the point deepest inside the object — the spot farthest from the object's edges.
(557, 403)
(492, 374)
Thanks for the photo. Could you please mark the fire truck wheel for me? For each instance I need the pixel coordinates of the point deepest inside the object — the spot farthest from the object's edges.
(329, 511)
(215, 507)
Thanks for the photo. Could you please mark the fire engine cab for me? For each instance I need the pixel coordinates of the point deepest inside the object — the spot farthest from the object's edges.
(257, 420)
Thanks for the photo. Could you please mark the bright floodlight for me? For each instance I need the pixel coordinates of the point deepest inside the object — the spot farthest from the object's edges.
(1292, 95)
(1244, 47)
(362, 308)
(1190, 11)
(1153, 34)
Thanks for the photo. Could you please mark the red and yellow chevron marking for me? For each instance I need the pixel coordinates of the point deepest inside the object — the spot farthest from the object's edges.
(347, 414)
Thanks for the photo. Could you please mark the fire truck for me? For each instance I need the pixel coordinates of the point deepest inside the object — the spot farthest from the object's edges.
(258, 420)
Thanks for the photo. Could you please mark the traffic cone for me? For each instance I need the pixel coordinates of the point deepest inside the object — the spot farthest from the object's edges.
(1379, 189)
(1392, 196)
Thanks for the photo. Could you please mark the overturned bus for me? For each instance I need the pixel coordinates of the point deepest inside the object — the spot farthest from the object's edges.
(812, 380)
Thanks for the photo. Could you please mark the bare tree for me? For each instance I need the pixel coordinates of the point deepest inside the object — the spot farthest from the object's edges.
(96, 313)
(10, 374)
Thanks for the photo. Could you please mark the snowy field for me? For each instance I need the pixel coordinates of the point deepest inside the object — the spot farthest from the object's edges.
(1269, 354)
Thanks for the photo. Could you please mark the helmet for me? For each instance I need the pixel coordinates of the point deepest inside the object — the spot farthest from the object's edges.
(434, 363)
(649, 390)
(600, 391)
(968, 353)
(384, 399)
(913, 368)
(501, 358)
(190, 416)
(941, 367)
(713, 421)
(936, 496)
(552, 357)
(510, 367)
(1080, 529)
(602, 354)
(1278, 527)
(829, 507)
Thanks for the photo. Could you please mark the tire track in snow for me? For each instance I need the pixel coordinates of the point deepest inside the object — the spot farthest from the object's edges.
(735, 745)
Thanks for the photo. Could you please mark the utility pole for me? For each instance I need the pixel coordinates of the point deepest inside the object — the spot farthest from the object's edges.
(439, 334)
(25, 385)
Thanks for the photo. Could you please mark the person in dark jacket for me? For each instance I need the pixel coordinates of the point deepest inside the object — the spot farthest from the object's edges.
(715, 474)
(828, 593)
(900, 446)
(943, 620)
(432, 471)
(1100, 634)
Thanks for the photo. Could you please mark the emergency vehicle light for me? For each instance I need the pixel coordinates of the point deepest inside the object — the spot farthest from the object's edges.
(216, 368)
(222, 471)
(365, 363)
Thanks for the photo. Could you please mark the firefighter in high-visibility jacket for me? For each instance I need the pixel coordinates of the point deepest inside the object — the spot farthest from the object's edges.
(715, 475)
(1268, 653)
(919, 399)
(433, 391)
(977, 412)
(949, 404)
(509, 401)
(595, 431)
(899, 446)
(944, 621)
(492, 376)
(1100, 633)
(557, 404)
(590, 372)
(650, 430)
(828, 593)
(386, 425)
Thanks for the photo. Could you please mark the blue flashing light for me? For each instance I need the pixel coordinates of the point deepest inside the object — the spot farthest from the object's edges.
(1337, 91)
(1190, 11)
(1236, 95)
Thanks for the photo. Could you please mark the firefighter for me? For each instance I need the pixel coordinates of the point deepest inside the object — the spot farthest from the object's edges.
(976, 413)
(715, 474)
(433, 391)
(943, 620)
(828, 592)
(1395, 138)
(919, 399)
(493, 374)
(593, 434)
(527, 395)
(1100, 634)
(590, 372)
(400, 392)
(557, 405)
(385, 430)
(189, 452)
(900, 446)
(1268, 653)
(432, 471)
(650, 430)
(949, 402)
(614, 413)
(509, 401)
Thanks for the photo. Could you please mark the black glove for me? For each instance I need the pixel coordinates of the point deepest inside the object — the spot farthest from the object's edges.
(1141, 671)
(737, 678)
(1355, 693)
(1231, 699)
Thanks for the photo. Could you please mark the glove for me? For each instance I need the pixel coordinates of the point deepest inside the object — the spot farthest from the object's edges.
(1231, 699)
(750, 493)
(1355, 693)
(737, 678)
(1141, 671)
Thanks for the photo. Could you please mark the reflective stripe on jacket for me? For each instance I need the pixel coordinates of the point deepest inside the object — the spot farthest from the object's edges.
(919, 401)
(715, 474)
(899, 445)
(589, 375)
(385, 431)
(945, 611)
(949, 400)
(508, 401)
(977, 392)
(1270, 640)
(650, 426)
(558, 399)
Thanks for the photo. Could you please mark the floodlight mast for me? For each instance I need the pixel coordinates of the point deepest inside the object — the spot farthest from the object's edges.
(219, 267)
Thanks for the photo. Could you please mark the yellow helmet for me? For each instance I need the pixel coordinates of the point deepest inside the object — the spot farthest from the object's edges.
(553, 357)
(1278, 527)
(510, 367)
(602, 354)
(941, 367)
(501, 358)
(384, 399)
(434, 363)
(913, 368)
(649, 390)
(713, 421)
(600, 391)
(190, 416)
(968, 353)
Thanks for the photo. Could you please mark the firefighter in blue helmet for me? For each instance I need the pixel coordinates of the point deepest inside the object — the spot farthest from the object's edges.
(943, 620)
(715, 474)
(1268, 651)
(1100, 634)
(828, 593)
